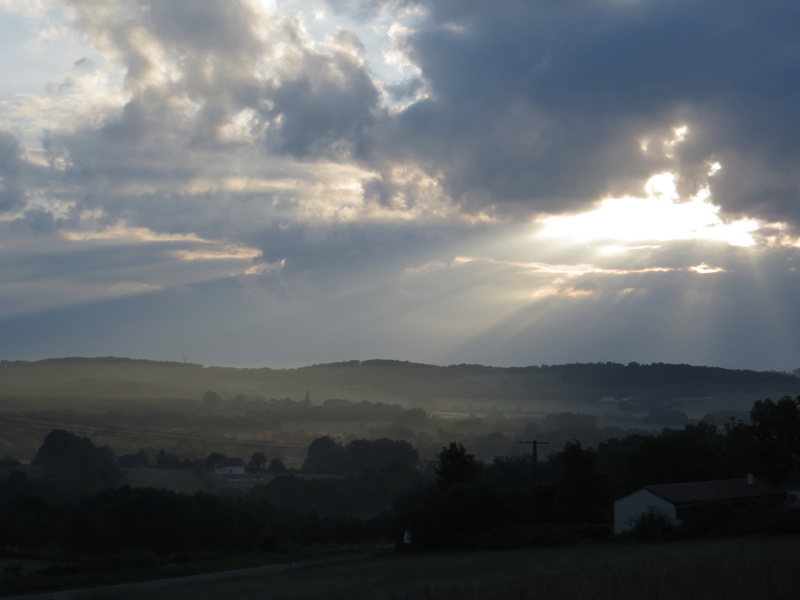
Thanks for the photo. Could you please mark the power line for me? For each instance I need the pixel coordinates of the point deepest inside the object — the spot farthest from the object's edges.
(535, 446)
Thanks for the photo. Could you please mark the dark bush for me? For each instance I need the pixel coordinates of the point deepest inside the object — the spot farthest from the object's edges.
(708, 519)
(651, 527)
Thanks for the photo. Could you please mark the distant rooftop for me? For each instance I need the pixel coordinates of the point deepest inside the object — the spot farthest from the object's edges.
(723, 489)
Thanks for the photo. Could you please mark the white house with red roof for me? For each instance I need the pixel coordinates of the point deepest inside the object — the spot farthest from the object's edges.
(672, 499)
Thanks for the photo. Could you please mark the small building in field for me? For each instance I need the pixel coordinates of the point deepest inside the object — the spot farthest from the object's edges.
(229, 466)
(673, 499)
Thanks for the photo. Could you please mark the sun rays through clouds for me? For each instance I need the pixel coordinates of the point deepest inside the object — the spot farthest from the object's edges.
(511, 182)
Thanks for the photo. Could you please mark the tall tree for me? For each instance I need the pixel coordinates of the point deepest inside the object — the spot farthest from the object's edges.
(377, 454)
(212, 459)
(691, 454)
(582, 491)
(276, 466)
(773, 436)
(257, 461)
(456, 466)
(76, 461)
(326, 456)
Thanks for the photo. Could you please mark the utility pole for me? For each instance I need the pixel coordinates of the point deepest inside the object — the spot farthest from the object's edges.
(535, 447)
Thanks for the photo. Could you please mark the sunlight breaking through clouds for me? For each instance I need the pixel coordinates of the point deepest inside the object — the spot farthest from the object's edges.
(704, 269)
(659, 216)
(420, 169)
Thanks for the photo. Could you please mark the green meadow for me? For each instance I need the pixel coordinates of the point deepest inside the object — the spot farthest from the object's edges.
(731, 569)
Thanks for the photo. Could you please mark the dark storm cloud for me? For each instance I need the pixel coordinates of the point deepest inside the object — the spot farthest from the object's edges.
(325, 109)
(534, 106)
(12, 193)
(543, 105)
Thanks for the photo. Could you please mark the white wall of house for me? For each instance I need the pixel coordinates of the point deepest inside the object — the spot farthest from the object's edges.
(793, 497)
(630, 508)
(229, 471)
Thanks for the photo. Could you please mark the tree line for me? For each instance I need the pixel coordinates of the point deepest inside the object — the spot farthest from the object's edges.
(375, 379)
(379, 489)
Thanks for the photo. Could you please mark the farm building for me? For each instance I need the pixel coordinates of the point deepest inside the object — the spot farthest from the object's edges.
(791, 485)
(673, 499)
(229, 466)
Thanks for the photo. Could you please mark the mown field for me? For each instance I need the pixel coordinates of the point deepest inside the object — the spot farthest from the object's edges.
(741, 569)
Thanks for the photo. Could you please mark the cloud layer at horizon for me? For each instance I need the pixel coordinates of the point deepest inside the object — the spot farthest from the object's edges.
(523, 182)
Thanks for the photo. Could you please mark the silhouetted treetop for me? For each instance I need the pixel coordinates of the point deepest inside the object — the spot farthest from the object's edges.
(77, 461)
(456, 466)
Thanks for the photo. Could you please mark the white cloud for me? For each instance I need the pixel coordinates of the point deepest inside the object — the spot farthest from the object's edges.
(31, 9)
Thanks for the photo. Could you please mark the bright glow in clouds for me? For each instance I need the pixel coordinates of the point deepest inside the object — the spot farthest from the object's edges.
(282, 183)
(659, 216)
(704, 269)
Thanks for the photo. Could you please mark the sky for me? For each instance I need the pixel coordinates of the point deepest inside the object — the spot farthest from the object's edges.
(262, 183)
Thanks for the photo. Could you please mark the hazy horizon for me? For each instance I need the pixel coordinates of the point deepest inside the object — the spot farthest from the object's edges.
(377, 359)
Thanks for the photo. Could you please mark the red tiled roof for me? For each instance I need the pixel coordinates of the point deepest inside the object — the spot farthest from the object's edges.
(706, 491)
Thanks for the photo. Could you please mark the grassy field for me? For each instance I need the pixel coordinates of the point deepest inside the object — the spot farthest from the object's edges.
(743, 569)
(190, 481)
(23, 566)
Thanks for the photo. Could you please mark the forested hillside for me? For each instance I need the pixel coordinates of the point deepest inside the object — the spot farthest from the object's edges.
(383, 380)
(186, 411)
